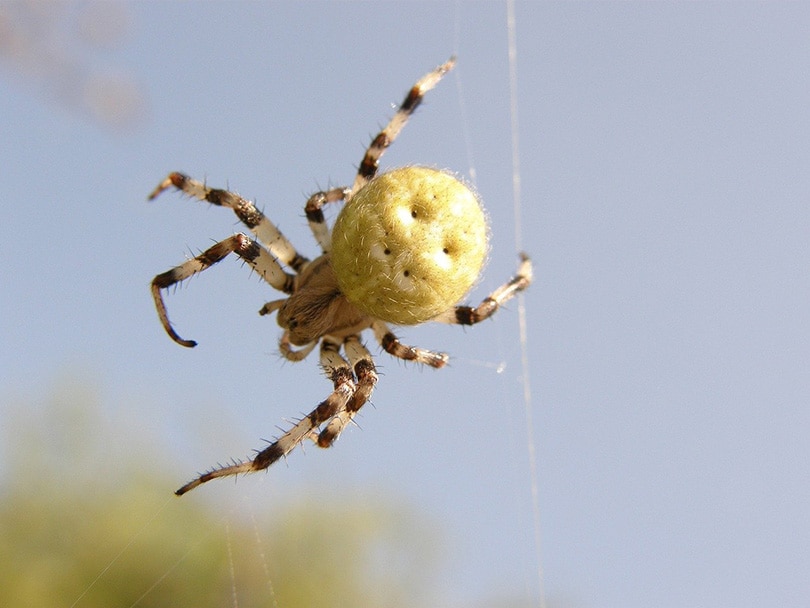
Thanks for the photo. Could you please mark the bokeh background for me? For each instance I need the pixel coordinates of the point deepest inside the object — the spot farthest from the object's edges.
(665, 180)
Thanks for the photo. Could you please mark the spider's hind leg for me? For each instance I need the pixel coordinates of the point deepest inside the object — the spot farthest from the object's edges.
(468, 315)
(391, 344)
(314, 212)
(380, 143)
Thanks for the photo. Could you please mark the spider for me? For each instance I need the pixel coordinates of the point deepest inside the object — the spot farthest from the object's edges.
(333, 298)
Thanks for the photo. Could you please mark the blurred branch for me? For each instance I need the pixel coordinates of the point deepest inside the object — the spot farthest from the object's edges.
(64, 51)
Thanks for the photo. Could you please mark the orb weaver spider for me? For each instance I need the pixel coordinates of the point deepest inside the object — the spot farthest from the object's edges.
(406, 248)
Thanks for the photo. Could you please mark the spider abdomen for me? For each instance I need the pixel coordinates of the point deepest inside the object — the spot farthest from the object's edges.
(409, 245)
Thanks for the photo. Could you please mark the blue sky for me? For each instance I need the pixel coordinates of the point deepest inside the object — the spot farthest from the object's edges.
(665, 172)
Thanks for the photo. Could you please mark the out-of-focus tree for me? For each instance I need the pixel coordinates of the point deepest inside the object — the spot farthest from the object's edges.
(71, 537)
(66, 51)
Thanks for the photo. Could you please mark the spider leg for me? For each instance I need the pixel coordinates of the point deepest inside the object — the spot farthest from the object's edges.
(285, 346)
(371, 160)
(467, 315)
(342, 378)
(267, 233)
(249, 250)
(366, 375)
(391, 344)
(294, 354)
(314, 211)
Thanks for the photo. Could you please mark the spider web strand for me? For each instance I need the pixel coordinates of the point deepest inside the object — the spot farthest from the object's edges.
(524, 353)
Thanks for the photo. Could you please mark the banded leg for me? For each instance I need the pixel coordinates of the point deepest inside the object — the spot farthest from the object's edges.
(249, 250)
(467, 315)
(366, 375)
(344, 388)
(391, 344)
(314, 212)
(371, 160)
(267, 233)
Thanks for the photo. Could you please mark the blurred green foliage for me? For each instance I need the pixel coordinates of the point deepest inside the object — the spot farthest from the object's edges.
(73, 534)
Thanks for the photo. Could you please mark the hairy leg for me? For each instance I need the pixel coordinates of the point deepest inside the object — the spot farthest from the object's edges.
(267, 233)
(342, 378)
(391, 344)
(371, 160)
(242, 245)
(467, 315)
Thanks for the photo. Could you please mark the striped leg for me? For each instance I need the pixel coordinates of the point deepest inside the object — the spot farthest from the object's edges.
(246, 211)
(371, 160)
(366, 375)
(314, 211)
(467, 315)
(249, 250)
(342, 378)
(393, 346)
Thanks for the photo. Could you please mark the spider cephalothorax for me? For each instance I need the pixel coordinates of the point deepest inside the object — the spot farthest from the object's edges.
(406, 247)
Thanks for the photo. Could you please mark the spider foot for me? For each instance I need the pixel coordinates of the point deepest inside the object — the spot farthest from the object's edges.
(174, 179)
(353, 381)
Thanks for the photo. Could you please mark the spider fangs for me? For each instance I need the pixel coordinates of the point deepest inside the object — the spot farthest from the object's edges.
(410, 259)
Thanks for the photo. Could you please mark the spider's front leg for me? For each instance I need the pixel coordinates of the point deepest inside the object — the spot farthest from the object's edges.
(266, 232)
(338, 409)
(249, 250)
